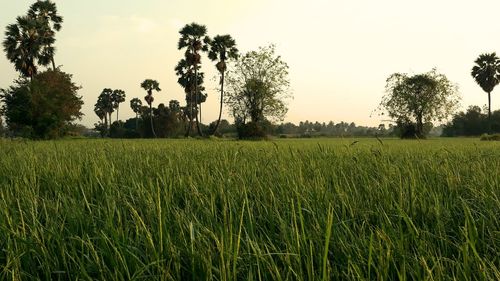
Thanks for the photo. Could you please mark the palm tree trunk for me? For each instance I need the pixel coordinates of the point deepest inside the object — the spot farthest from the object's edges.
(136, 122)
(53, 63)
(110, 122)
(190, 103)
(105, 124)
(200, 114)
(151, 119)
(190, 123)
(196, 98)
(221, 103)
(117, 109)
(489, 112)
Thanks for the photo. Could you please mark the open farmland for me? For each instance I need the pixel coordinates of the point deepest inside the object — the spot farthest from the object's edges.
(228, 210)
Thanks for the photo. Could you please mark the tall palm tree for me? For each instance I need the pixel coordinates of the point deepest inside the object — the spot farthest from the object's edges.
(105, 101)
(101, 113)
(486, 72)
(192, 40)
(118, 97)
(150, 85)
(188, 82)
(221, 48)
(46, 12)
(24, 45)
(136, 105)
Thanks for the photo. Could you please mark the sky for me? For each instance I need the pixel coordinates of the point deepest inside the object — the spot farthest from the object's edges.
(340, 52)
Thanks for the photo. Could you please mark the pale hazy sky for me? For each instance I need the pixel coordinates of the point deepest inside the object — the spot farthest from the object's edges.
(339, 52)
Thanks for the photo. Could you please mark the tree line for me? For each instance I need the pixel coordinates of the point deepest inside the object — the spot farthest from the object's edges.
(254, 87)
(412, 101)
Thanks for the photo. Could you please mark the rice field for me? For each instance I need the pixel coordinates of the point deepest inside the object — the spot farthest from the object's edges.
(332, 209)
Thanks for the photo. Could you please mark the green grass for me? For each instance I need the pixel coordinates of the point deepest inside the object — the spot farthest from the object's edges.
(227, 210)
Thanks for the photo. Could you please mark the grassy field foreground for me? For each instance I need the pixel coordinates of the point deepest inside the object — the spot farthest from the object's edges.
(227, 210)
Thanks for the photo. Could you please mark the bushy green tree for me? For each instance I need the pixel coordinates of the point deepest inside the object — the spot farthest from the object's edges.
(258, 88)
(41, 108)
(413, 101)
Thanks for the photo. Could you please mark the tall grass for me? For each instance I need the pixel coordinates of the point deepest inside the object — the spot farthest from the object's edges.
(224, 210)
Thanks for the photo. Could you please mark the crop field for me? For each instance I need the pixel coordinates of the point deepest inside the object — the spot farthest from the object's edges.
(330, 209)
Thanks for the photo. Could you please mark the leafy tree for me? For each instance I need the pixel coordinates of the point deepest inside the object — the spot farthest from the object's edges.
(221, 48)
(258, 87)
(43, 106)
(419, 99)
(25, 45)
(46, 13)
(168, 120)
(118, 96)
(486, 73)
(192, 36)
(136, 105)
(150, 85)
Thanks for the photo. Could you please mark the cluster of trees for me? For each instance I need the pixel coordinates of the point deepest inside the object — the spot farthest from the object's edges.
(169, 122)
(254, 86)
(473, 122)
(256, 90)
(39, 104)
(44, 104)
(414, 102)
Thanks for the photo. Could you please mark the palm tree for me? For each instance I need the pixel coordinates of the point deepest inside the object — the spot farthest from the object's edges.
(24, 45)
(188, 82)
(221, 48)
(100, 112)
(105, 102)
(136, 105)
(46, 12)
(486, 73)
(150, 85)
(118, 96)
(191, 39)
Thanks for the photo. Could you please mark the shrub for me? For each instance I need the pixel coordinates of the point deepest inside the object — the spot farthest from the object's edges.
(252, 130)
(486, 137)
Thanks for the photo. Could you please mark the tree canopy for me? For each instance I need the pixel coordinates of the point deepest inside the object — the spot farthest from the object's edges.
(419, 99)
(41, 108)
(258, 87)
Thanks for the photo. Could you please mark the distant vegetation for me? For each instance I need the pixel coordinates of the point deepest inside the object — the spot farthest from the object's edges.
(472, 122)
(254, 86)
